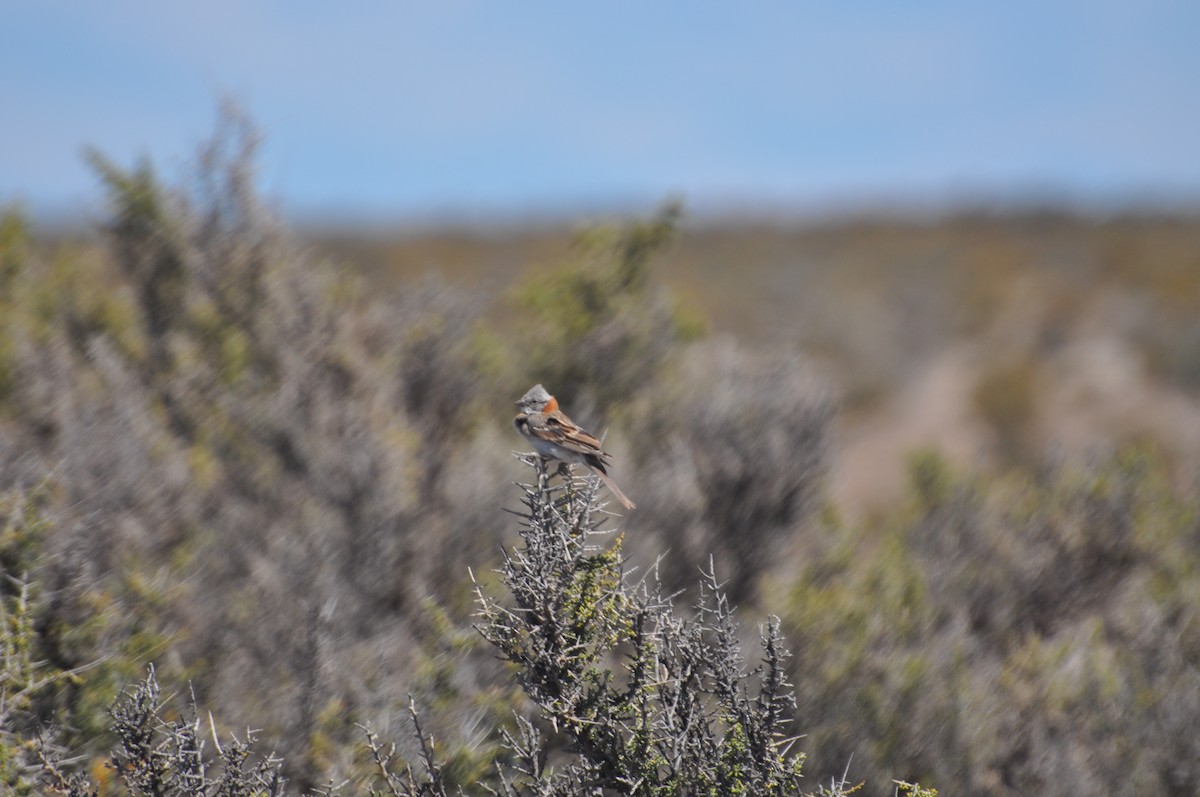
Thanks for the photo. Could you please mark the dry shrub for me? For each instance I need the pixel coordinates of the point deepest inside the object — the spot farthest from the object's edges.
(1006, 396)
(254, 441)
(596, 329)
(1012, 636)
(731, 456)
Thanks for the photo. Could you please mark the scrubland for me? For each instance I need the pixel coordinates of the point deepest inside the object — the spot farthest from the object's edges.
(955, 457)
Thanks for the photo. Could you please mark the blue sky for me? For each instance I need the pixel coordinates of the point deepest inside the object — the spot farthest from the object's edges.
(390, 109)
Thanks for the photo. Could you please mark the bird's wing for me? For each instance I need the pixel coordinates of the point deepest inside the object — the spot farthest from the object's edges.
(562, 430)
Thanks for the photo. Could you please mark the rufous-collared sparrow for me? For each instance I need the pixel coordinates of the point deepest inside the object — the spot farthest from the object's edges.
(555, 436)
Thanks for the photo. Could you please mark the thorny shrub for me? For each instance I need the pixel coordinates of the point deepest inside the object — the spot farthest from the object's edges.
(629, 695)
(272, 480)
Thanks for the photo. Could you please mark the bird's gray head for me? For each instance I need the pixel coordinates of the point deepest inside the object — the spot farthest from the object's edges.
(534, 399)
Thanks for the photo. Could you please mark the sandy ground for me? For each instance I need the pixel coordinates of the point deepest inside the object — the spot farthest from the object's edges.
(1095, 395)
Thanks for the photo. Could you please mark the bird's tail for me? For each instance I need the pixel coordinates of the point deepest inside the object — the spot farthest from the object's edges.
(614, 489)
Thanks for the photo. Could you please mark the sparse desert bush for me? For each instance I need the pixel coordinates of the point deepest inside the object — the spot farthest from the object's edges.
(651, 702)
(599, 327)
(1006, 398)
(274, 476)
(629, 695)
(271, 479)
(247, 449)
(62, 656)
(1010, 636)
(735, 448)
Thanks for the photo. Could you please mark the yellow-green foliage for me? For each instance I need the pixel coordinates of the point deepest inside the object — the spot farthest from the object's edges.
(140, 203)
(25, 676)
(23, 528)
(858, 615)
(931, 479)
(994, 612)
(441, 686)
(249, 435)
(217, 340)
(14, 245)
(1006, 397)
(592, 606)
(613, 268)
(596, 326)
(74, 296)
(64, 660)
(20, 680)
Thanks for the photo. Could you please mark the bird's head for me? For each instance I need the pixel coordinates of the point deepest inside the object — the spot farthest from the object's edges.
(535, 399)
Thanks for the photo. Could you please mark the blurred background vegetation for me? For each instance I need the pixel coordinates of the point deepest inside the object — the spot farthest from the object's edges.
(956, 455)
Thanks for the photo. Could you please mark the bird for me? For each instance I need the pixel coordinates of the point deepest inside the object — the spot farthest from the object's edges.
(555, 436)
